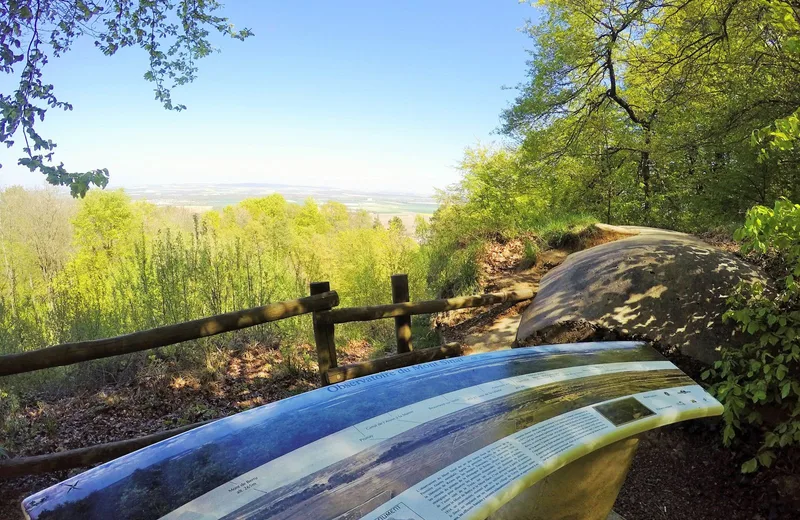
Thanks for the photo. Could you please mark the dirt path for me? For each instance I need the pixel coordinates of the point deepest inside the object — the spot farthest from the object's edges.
(501, 331)
(480, 330)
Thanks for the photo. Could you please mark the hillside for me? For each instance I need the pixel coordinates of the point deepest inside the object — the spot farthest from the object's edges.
(165, 393)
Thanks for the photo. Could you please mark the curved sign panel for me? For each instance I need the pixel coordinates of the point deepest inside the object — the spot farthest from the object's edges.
(451, 439)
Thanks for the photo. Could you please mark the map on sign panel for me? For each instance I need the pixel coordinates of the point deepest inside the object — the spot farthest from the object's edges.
(450, 439)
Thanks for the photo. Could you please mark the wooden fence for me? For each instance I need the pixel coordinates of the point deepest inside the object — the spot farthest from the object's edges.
(321, 304)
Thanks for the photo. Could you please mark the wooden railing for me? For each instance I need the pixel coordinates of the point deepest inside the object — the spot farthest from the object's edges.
(320, 304)
(401, 311)
(70, 353)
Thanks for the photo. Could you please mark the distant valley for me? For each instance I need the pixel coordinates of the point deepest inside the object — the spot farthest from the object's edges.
(204, 197)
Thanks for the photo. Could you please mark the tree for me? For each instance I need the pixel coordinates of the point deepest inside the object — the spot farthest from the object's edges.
(32, 32)
(39, 222)
(396, 226)
(104, 222)
(577, 75)
(784, 133)
(663, 97)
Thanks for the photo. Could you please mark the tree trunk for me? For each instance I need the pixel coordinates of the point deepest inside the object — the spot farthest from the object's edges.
(644, 169)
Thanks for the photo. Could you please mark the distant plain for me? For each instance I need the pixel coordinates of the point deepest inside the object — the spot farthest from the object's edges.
(204, 197)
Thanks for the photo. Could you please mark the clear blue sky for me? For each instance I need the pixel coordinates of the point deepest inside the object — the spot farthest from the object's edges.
(349, 94)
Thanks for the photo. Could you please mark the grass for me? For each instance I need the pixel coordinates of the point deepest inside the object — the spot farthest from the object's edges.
(457, 250)
(563, 231)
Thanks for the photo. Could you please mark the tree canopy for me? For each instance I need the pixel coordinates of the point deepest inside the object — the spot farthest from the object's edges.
(174, 35)
(663, 112)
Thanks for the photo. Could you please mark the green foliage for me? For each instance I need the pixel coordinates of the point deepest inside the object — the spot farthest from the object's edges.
(9, 404)
(759, 384)
(295, 361)
(396, 225)
(9, 420)
(174, 35)
(783, 21)
(110, 266)
(640, 112)
(497, 199)
(105, 221)
(531, 251)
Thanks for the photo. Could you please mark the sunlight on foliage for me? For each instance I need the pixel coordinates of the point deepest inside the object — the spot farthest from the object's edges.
(107, 265)
(759, 384)
(498, 199)
(783, 134)
(641, 113)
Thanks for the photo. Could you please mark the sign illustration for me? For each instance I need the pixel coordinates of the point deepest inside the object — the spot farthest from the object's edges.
(452, 439)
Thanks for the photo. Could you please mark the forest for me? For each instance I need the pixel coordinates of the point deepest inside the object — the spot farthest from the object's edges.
(676, 114)
(681, 115)
(105, 265)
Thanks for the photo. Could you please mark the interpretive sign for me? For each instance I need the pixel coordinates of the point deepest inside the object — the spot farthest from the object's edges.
(452, 439)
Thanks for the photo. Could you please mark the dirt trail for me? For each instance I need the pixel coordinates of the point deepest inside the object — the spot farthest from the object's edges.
(505, 269)
(500, 333)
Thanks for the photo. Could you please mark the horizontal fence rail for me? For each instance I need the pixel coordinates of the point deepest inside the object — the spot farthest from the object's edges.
(70, 353)
(393, 310)
(83, 457)
(321, 303)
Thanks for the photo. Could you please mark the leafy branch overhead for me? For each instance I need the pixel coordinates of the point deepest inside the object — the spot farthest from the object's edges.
(32, 32)
(783, 133)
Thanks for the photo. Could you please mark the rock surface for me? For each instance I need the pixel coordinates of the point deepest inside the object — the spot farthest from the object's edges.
(663, 285)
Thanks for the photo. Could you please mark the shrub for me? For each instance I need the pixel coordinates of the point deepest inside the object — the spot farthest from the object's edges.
(112, 266)
(531, 253)
(759, 384)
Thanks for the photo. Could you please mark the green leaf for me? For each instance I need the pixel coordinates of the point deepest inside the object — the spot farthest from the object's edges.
(728, 433)
(765, 458)
(750, 466)
(770, 439)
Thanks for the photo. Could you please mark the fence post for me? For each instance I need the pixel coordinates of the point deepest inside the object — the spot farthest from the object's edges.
(402, 324)
(323, 336)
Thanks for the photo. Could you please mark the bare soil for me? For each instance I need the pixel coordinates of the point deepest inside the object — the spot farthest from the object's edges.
(683, 471)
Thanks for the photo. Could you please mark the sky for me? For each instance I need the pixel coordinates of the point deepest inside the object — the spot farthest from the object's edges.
(361, 95)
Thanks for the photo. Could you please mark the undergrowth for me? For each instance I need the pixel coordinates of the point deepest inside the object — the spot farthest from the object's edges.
(455, 246)
(759, 383)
